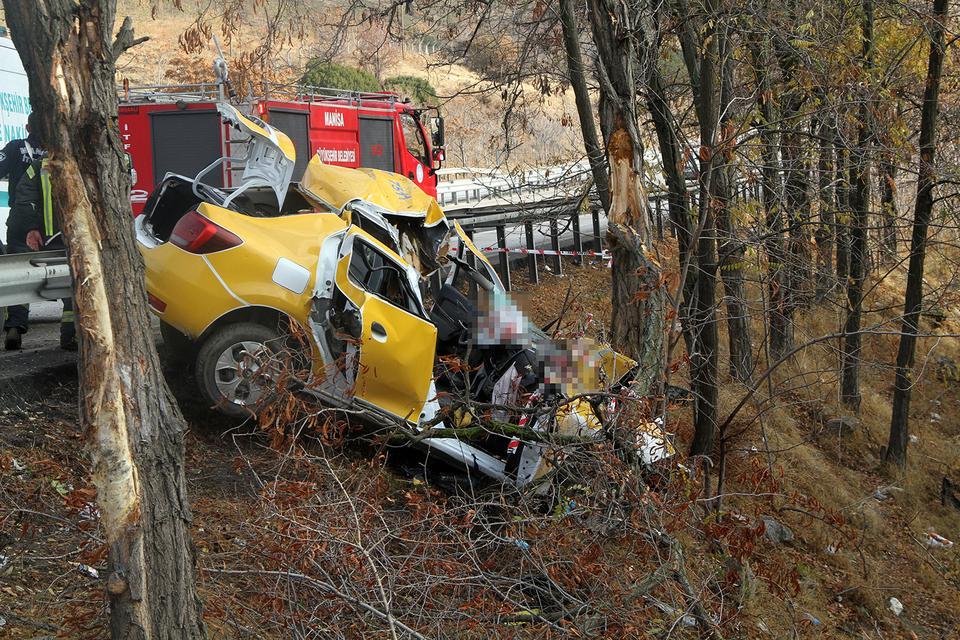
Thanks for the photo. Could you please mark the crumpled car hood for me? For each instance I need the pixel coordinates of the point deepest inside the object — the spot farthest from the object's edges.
(387, 205)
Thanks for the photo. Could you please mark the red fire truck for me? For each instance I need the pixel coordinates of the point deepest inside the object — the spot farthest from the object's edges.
(177, 129)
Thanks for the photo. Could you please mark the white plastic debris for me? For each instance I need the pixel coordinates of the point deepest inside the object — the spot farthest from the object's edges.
(914, 439)
(895, 606)
(88, 571)
(937, 541)
(885, 493)
(831, 549)
(935, 417)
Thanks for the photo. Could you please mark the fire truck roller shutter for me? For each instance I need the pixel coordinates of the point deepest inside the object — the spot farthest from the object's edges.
(376, 143)
(297, 127)
(185, 142)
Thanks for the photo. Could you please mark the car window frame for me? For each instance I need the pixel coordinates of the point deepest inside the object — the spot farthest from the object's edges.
(401, 271)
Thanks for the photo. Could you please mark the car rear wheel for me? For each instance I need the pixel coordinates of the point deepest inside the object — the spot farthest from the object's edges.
(236, 368)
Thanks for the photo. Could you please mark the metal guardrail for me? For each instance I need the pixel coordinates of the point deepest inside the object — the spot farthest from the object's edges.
(461, 188)
(34, 277)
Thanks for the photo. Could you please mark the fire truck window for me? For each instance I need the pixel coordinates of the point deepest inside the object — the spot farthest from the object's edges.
(373, 272)
(413, 136)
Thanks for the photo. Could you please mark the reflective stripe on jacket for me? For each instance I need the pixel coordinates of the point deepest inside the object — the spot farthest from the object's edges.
(33, 210)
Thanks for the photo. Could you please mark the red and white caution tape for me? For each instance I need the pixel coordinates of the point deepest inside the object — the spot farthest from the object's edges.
(605, 255)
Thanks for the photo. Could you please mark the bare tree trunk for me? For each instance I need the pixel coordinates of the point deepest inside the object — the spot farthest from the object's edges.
(888, 197)
(797, 201)
(731, 249)
(860, 205)
(133, 427)
(799, 267)
(827, 202)
(578, 81)
(677, 197)
(842, 237)
(913, 299)
(700, 54)
(774, 245)
(639, 302)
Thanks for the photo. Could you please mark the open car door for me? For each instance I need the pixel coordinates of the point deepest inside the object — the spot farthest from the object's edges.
(389, 349)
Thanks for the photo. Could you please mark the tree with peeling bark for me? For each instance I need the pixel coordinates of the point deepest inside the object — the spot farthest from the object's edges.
(133, 427)
(620, 35)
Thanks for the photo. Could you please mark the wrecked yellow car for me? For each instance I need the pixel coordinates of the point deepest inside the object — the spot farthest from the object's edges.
(344, 257)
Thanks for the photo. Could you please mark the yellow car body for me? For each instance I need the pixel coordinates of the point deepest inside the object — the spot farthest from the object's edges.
(278, 268)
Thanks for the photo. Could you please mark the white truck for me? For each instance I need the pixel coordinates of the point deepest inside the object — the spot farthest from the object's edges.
(14, 109)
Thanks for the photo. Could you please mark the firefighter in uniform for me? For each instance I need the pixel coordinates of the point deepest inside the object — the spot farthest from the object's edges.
(15, 157)
(33, 226)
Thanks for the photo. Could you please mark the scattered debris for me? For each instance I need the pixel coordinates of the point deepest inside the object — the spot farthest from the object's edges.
(914, 439)
(812, 619)
(523, 545)
(885, 493)
(88, 571)
(937, 541)
(831, 549)
(776, 532)
(895, 606)
(841, 426)
(935, 417)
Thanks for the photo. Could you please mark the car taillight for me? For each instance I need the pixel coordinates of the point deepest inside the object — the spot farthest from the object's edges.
(196, 234)
(156, 302)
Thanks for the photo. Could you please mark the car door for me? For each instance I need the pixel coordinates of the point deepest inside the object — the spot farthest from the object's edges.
(394, 352)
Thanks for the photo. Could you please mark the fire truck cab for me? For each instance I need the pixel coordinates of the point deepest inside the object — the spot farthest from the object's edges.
(178, 130)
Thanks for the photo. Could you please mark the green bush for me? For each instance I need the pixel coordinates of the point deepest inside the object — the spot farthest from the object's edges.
(417, 89)
(338, 76)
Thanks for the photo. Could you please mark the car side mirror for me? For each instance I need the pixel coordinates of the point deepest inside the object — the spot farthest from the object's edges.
(438, 135)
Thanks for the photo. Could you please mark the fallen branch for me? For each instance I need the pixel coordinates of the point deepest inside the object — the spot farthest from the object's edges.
(29, 622)
(679, 572)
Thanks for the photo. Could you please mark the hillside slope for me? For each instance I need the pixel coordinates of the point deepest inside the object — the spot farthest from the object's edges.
(541, 129)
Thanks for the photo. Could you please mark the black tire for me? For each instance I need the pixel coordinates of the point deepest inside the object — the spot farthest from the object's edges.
(178, 350)
(213, 365)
